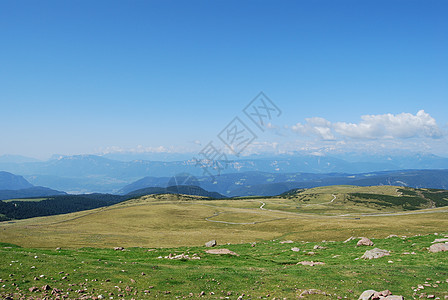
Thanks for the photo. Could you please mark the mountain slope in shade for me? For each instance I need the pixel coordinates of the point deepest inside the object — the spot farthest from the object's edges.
(35, 191)
(10, 181)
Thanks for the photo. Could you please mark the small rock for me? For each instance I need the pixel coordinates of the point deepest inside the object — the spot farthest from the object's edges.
(221, 251)
(295, 249)
(33, 289)
(349, 239)
(55, 291)
(319, 247)
(119, 249)
(311, 292)
(286, 242)
(46, 287)
(391, 236)
(366, 295)
(364, 242)
(310, 263)
(211, 243)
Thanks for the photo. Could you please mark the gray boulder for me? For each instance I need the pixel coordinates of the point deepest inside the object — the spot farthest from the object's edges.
(438, 247)
(364, 242)
(375, 253)
(211, 243)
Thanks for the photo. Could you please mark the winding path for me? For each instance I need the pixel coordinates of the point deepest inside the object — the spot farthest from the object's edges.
(334, 198)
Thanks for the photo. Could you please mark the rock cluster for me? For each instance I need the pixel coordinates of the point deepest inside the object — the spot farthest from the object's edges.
(181, 256)
(286, 242)
(311, 292)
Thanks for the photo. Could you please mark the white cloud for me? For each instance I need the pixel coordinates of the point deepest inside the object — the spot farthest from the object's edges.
(315, 126)
(386, 126)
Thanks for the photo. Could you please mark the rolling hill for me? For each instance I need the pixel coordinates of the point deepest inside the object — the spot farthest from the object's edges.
(38, 202)
(167, 220)
(178, 189)
(144, 247)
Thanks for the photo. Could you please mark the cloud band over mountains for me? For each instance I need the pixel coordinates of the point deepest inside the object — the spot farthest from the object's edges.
(371, 127)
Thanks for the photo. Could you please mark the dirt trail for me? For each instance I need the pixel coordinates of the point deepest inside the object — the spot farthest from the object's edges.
(334, 198)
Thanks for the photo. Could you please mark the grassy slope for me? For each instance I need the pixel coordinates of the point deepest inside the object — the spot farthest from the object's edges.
(269, 268)
(172, 220)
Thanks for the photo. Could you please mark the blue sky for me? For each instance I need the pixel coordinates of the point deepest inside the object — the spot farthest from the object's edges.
(93, 76)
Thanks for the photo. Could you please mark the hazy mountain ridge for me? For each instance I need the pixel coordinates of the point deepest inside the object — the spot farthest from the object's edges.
(9, 181)
(269, 184)
(91, 173)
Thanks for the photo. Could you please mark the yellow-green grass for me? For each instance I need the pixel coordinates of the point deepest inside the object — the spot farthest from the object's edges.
(172, 220)
(343, 189)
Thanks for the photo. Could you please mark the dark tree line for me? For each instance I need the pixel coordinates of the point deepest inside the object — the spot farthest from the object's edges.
(56, 205)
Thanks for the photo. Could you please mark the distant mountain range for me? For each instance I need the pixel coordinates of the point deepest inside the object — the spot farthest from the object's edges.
(90, 173)
(271, 184)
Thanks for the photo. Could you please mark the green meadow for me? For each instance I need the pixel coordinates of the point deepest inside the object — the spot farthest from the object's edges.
(74, 253)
